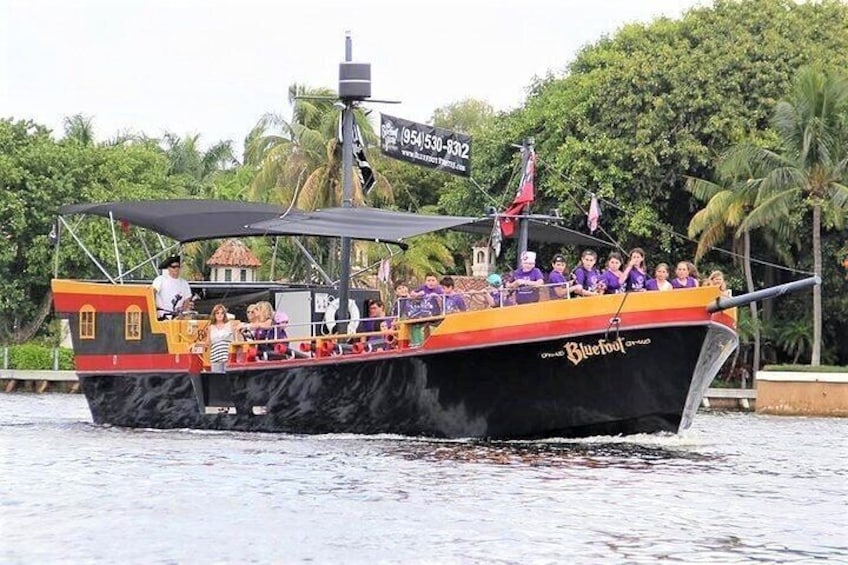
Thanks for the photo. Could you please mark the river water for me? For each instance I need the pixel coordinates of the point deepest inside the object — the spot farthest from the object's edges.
(736, 488)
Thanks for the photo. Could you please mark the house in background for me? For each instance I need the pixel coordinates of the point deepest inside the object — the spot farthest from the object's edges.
(482, 259)
(233, 261)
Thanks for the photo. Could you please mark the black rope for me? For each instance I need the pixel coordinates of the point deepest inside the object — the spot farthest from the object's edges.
(616, 320)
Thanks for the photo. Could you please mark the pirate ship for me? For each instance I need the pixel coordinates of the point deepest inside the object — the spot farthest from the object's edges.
(614, 364)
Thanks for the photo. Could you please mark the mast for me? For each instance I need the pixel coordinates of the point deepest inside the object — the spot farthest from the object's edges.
(354, 85)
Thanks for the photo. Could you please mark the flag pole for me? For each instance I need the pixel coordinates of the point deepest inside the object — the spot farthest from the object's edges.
(523, 225)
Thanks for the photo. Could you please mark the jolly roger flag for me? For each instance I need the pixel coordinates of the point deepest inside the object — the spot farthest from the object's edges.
(366, 173)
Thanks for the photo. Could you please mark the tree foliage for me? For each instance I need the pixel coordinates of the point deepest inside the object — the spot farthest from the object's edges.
(39, 174)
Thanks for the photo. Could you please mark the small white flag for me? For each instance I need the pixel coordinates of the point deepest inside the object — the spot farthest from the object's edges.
(594, 214)
(384, 274)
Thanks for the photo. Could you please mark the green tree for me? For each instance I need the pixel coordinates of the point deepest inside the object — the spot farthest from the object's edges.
(40, 174)
(726, 208)
(79, 128)
(426, 254)
(299, 161)
(809, 167)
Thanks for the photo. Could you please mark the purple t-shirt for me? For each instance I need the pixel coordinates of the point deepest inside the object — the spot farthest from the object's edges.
(557, 278)
(587, 279)
(690, 283)
(431, 304)
(653, 284)
(401, 307)
(454, 303)
(527, 294)
(374, 326)
(636, 279)
(501, 298)
(611, 280)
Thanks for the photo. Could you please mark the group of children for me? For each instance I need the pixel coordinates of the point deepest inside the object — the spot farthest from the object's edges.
(633, 277)
(523, 286)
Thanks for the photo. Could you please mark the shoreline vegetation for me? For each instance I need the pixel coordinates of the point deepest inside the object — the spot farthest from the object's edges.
(639, 118)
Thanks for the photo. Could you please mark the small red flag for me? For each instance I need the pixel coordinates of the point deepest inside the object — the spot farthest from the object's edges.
(525, 194)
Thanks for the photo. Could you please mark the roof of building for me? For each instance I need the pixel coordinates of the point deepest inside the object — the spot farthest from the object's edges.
(468, 286)
(233, 253)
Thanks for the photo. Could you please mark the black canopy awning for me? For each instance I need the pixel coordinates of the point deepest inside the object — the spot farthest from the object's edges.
(186, 220)
(391, 226)
(364, 223)
(195, 220)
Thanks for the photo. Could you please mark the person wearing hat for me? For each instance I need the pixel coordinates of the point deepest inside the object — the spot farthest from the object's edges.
(559, 278)
(527, 279)
(496, 295)
(172, 293)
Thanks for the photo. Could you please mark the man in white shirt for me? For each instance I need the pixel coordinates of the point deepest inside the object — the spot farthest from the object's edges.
(173, 295)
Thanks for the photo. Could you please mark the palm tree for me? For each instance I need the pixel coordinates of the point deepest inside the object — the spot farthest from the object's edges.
(298, 162)
(808, 169)
(300, 159)
(726, 208)
(426, 254)
(79, 128)
(208, 174)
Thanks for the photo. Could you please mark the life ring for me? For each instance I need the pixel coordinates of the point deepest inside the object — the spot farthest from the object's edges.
(330, 315)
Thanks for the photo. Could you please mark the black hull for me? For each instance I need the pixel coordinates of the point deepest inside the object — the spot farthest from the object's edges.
(648, 381)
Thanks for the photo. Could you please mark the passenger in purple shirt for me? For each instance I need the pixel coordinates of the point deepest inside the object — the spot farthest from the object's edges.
(589, 280)
(376, 322)
(682, 278)
(559, 276)
(496, 295)
(453, 302)
(527, 279)
(431, 296)
(635, 274)
(401, 306)
(660, 280)
(612, 274)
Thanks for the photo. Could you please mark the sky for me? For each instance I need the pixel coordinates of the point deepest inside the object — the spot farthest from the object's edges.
(215, 67)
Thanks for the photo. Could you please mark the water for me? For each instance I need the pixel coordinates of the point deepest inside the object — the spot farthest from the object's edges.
(737, 488)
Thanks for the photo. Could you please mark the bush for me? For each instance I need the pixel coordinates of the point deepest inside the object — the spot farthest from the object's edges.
(35, 357)
(66, 359)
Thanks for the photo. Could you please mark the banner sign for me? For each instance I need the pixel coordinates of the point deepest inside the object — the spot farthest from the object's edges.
(425, 145)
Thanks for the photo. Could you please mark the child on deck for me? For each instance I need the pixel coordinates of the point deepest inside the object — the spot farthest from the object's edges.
(401, 306)
(496, 295)
(682, 278)
(527, 279)
(559, 279)
(635, 274)
(431, 296)
(589, 281)
(613, 275)
(453, 302)
(660, 280)
(716, 278)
